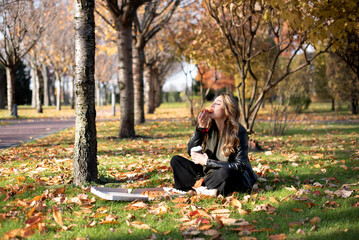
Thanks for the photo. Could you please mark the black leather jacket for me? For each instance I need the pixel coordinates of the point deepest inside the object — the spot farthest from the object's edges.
(236, 161)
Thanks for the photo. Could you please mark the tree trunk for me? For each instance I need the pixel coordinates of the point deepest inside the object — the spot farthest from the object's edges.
(10, 79)
(58, 91)
(2, 90)
(52, 82)
(156, 87)
(45, 77)
(150, 89)
(38, 92)
(97, 93)
(138, 64)
(124, 44)
(85, 149)
(333, 104)
(113, 99)
(72, 92)
(33, 92)
(65, 91)
(354, 105)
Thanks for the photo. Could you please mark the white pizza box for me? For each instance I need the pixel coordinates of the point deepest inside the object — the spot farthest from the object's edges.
(124, 194)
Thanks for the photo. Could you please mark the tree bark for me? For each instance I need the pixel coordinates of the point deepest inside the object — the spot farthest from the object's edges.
(58, 91)
(85, 150)
(333, 104)
(52, 82)
(38, 92)
(138, 66)
(45, 77)
(72, 92)
(113, 99)
(124, 44)
(354, 105)
(33, 92)
(150, 89)
(2, 90)
(10, 79)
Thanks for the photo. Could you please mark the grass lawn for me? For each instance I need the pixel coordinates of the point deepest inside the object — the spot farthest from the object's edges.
(307, 189)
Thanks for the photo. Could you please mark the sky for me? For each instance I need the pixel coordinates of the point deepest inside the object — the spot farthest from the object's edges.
(177, 81)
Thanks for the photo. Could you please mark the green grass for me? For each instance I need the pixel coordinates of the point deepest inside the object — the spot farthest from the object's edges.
(310, 154)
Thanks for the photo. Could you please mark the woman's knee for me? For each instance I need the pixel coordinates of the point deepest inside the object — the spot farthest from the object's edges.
(175, 160)
(224, 173)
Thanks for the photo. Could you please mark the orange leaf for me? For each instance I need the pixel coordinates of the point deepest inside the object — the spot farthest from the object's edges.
(180, 200)
(236, 203)
(59, 191)
(198, 183)
(22, 233)
(273, 200)
(281, 236)
(205, 227)
(57, 216)
(33, 221)
(297, 210)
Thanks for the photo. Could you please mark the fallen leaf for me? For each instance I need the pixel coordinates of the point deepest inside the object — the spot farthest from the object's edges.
(244, 233)
(212, 233)
(330, 204)
(294, 224)
(22, 233)
(139, 225)
(236, 203)
(344, 167)
(342, 193)
(136, 206)
(205, 227)
(273, 200)
(57, 216)
(300, 231)
(281, 236)
(314, 220)
(309, 204)
(265, 207)
(297, 210)
(180, 200)
(198, 183)
(318, 193)
(158, 210)
(191, 232)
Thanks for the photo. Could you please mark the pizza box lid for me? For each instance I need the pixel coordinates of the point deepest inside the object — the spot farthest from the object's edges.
(124, 194)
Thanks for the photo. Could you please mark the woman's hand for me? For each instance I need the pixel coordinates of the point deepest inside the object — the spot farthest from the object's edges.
(199, 158)
(203, 119)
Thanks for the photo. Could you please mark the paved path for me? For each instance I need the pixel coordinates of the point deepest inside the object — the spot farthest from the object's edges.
(25, 130)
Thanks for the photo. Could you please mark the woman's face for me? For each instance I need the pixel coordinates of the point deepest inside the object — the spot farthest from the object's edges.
(218, 109)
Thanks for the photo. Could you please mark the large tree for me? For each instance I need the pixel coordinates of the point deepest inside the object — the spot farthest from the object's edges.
(85, 151)
(21, 25)
(123, 13)
(277, 31)
(148, 22)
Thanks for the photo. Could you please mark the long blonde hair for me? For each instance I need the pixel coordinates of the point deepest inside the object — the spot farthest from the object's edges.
(231, 124)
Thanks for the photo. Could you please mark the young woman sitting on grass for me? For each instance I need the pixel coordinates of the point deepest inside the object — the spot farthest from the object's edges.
(224, 163)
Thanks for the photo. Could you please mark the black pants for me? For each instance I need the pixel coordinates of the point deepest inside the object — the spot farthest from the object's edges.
(186, 173)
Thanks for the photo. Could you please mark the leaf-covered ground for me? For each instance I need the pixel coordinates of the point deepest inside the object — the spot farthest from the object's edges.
(307, 189)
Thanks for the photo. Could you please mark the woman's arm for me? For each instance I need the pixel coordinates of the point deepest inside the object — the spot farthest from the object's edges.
(196, 139)
(241, 158)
